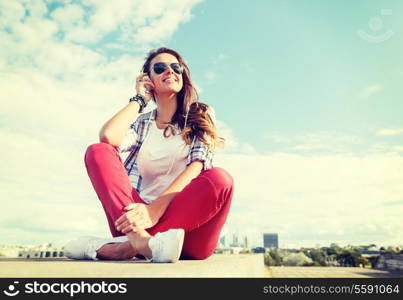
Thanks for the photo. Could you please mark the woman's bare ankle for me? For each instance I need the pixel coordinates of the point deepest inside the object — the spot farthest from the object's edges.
(139, 242)
(143, 247)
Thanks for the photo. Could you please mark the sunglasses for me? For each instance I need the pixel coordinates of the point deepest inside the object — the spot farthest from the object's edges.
(160, 68)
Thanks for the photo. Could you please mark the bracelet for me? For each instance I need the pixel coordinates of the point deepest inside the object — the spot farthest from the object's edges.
(140, 100)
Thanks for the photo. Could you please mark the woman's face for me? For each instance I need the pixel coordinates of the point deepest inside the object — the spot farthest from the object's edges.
(168, 81)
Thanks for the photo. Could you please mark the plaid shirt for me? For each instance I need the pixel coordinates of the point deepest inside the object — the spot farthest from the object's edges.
(135, 137)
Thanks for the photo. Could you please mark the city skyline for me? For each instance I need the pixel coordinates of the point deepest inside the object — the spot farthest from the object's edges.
(240, 244)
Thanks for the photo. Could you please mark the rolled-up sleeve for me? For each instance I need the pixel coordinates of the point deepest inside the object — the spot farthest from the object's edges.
(129, 140)
(200, 152)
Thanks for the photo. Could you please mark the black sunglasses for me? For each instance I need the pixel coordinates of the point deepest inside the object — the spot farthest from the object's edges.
(161, 67)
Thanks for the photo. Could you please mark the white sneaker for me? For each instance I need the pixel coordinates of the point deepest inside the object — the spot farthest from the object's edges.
(86, 247)
(166, 246)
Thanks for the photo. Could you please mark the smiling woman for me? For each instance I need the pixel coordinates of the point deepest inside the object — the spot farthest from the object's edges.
(166, 200)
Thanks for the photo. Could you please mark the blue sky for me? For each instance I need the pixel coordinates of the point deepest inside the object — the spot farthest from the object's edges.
(300, 62)
(307, 94)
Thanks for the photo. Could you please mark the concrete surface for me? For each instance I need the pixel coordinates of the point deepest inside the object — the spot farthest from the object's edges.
(219, 265)
(331, 272)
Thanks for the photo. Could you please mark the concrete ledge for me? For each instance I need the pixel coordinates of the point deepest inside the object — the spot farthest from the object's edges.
(219, 265)
(331, 272)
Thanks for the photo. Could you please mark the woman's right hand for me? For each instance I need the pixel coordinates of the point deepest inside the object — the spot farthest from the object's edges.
(143, 81)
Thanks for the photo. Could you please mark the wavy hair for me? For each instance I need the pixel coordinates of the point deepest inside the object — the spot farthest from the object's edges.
(200, 121)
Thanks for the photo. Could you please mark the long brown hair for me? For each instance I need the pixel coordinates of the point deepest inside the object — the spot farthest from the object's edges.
(199, 122)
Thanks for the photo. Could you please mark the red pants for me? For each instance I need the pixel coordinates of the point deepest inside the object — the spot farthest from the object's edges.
(201, 208)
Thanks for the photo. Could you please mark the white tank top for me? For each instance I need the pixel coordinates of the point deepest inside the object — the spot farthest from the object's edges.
(160, 160)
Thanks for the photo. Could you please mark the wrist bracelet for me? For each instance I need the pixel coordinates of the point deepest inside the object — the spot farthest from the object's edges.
(140, 100)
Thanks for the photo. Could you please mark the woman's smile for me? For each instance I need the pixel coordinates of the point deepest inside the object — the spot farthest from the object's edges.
(170, 80)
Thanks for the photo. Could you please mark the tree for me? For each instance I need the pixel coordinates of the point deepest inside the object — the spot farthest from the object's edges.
(317, 255)
(330, 251)
(297, 259)
(268, 260)
(391, 250)
(273, 258)
(277, 256)
(351, 257)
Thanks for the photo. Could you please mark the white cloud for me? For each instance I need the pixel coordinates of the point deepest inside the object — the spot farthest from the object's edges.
(36, 8)
(108, 15)
(50, 44)
(10, 12)
(210, 76)
(390, 149)
(316, 199)
(397, 148)
(320, 199)
(141, 23)
(388, 132)
(161, 28)
(328, 141)
(370, 91)
(277, 138)
(69, 16)
(232, 143)
(56, 94)
(46, 188)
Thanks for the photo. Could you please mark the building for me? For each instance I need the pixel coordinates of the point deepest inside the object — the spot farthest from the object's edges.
(245, 242)
(270, 240)
(235, 242)
(41, 251)
(390, 262)
(222, 241)
(223, 251)
(10, 250)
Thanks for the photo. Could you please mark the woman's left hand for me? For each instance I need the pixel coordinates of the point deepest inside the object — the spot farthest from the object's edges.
(137, 216)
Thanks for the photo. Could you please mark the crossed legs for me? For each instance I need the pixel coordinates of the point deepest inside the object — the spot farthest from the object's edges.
(201, 208)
